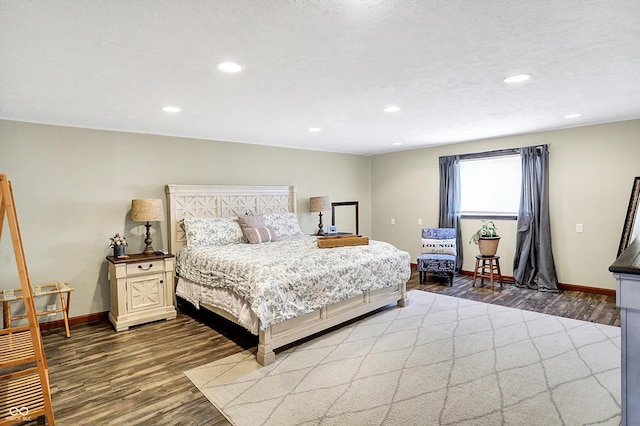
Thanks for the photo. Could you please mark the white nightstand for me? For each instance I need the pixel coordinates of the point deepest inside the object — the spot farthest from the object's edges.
(141, 289)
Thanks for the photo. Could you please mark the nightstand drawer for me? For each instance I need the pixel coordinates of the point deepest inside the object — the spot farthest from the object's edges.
(145, 267)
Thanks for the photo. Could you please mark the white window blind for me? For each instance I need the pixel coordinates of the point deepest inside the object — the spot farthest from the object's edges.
(490, 186)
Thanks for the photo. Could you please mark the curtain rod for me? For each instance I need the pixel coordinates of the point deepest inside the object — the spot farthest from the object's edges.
(496, 153)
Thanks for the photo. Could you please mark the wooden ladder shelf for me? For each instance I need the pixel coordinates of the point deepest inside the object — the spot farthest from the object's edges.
(24, 376)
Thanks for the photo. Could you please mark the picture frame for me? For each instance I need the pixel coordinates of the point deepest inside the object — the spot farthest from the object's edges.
(346, 203)
(631, 226)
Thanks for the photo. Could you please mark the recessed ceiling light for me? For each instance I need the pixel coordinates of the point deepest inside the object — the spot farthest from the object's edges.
(396, 143)
(517, 78)
(171, 109)
(392, 108)
(315, 129)
(574, 115)
(230, 67)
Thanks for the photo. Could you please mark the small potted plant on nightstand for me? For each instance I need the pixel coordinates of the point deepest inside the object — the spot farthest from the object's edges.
(486, 238)
(118, 243)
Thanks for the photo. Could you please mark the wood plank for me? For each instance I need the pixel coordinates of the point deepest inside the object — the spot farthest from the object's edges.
(342, 241)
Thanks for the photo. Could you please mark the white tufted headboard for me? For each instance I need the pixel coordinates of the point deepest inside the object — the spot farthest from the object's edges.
(223, 201)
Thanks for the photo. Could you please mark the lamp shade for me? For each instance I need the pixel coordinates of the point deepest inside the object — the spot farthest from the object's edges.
(149, 210)
(319, 204)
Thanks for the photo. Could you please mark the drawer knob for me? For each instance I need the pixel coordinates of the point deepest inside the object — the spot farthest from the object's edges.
(161, 281)
(145, 269)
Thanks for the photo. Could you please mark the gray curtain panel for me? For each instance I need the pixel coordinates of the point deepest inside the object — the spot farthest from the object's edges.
(450, 200)
(533, 265)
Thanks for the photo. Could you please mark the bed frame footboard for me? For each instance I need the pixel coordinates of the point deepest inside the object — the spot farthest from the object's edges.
(289, 331)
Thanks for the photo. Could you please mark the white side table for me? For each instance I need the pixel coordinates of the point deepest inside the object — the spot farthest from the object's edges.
(141, 289)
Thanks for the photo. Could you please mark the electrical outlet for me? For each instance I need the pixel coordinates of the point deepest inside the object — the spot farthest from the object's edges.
(420, 221)
(51, 308)
(579, 227)
(393, 220)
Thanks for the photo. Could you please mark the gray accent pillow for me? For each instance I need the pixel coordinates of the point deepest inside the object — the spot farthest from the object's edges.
(251, 221)
(260, 235)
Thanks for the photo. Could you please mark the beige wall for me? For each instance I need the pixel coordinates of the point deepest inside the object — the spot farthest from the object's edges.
(73, 188)
(591, 174)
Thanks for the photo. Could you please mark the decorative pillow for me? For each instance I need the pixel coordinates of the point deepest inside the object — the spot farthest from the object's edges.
(260, 235)
(285, 224)
(251, 221)
(212, 231)
(439, 246)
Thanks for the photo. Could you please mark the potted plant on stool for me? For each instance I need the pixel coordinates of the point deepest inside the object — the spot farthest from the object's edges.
(486, 238)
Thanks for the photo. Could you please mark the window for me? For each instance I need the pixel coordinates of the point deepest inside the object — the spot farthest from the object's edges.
(490, 186)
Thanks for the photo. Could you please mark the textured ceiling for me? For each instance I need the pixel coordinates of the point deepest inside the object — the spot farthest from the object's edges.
(330, 64)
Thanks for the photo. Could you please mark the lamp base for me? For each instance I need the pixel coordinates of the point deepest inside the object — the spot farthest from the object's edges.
(320, 230)
(149, 248)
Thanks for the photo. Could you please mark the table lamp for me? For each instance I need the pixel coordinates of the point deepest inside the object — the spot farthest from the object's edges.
(149, 210)
(319, 204)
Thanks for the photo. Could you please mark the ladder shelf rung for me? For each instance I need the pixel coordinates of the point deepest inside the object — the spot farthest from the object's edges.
(16, 349)
(21, 397)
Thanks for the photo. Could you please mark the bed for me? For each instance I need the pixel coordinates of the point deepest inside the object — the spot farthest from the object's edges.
(282, 290)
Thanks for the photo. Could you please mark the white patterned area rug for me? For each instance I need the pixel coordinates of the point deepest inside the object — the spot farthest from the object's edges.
(438, 361)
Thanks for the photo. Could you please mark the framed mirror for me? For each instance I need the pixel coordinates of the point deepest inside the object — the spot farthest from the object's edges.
(343, 219)
(631, 228)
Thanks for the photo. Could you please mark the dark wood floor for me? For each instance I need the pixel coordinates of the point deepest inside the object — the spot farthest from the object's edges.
(100, 377)
(570, 304)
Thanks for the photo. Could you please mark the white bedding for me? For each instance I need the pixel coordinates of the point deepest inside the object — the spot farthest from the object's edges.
(289, 278)
(221, 298)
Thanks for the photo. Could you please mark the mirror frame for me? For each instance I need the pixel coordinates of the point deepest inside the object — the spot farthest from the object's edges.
(632, 216)
(345, 203)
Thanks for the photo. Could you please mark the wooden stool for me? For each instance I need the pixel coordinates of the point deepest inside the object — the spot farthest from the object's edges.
(493, 265)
